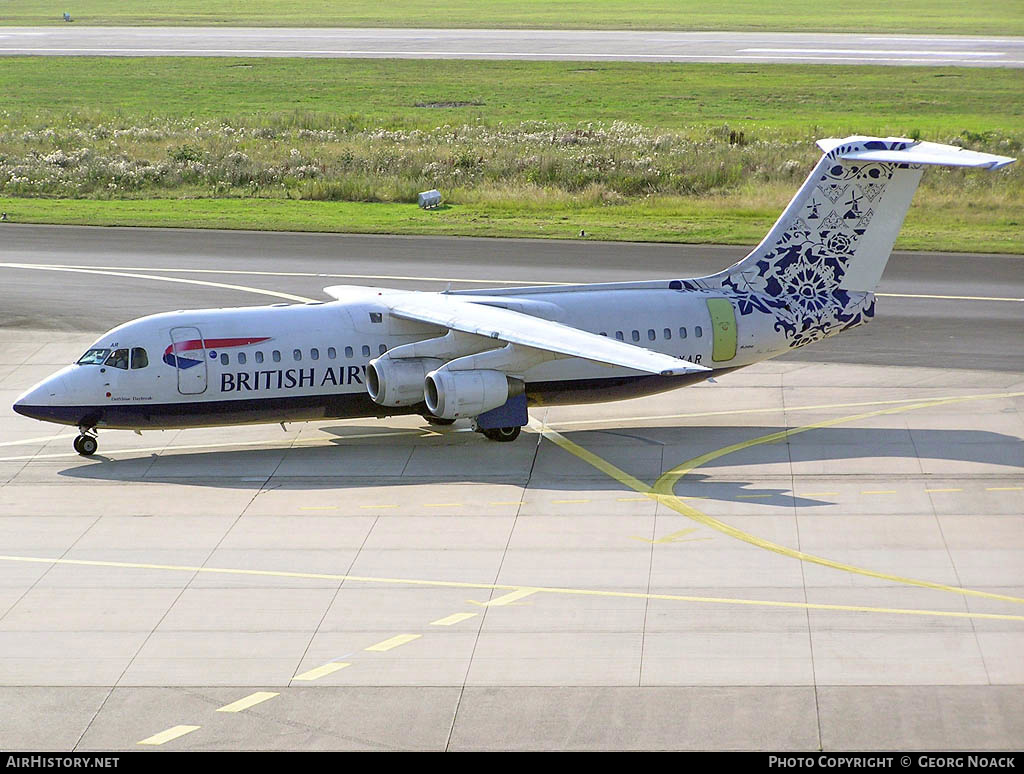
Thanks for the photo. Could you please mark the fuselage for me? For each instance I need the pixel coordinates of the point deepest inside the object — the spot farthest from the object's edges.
(301, 362)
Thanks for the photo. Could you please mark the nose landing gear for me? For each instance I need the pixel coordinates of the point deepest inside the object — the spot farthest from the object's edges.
(86, 443)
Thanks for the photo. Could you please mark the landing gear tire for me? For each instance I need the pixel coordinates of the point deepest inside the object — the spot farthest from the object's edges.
(502, 434)
(85, 445)
(439, 421)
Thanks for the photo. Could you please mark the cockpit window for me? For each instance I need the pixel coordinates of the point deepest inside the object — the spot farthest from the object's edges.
(117, 359)
(139, 358)
(93, 357)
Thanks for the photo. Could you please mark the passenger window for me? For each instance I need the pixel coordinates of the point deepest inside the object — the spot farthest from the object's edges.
(682, 333)
(349, 352)
(383, 348)
(314, 354)
(366, 350)
(224, 359)
(698, 331)
(118, 359)
(376, 317)
(331, 353)
(636, 335)
(650, 334)
(241, 358)
(139, 358)
(668, 333)
(619, 336)
(275, 356)
(259, 357)
(296, 354)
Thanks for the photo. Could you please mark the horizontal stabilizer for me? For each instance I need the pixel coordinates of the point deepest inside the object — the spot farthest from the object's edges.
(894, 150)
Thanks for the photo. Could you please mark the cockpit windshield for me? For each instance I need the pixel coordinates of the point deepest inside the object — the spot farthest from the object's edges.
(118, 359)
(94, 357)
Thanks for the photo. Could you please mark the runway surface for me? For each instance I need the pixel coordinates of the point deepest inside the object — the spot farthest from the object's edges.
(663, 573)
(640, 46)
(981, 334)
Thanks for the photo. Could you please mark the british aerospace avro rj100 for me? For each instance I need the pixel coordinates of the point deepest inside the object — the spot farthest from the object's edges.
(487, 355)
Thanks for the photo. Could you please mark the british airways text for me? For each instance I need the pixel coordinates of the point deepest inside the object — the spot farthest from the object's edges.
(290, 378)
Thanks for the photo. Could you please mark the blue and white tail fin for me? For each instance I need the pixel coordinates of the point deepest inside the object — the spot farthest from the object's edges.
(817, 268)
(846, 216)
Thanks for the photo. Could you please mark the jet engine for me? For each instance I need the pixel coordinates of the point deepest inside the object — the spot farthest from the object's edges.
(398, 381)
(457, 394)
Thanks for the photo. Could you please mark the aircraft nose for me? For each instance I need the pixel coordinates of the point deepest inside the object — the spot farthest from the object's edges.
(33, 402)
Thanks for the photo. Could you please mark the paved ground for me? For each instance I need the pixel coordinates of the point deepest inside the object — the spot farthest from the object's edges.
(374, 585)
(644, 46)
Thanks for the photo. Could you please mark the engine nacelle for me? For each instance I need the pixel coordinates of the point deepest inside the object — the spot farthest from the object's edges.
(398, 381)
(458, 394)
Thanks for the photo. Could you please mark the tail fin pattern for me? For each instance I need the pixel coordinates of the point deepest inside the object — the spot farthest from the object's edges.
(817, 267)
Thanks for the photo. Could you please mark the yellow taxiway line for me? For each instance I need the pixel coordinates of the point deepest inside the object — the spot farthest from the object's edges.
(322, 671)
(166, 736)
(508, 599)
(500, 587)
(663, 489)
(249, 701)
(393, 642)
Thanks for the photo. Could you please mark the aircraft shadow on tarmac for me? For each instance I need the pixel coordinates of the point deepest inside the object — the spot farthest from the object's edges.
(645, 452)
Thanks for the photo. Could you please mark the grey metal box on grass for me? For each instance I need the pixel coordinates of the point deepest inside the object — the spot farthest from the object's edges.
(430, 199)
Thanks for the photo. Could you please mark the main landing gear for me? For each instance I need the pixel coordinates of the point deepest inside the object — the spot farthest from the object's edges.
(86, 443)
(502, 434)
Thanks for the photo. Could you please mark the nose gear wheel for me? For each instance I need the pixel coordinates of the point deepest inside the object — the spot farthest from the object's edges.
(86, 444)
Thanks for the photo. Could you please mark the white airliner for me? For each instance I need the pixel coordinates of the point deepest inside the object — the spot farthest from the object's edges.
(487, 355)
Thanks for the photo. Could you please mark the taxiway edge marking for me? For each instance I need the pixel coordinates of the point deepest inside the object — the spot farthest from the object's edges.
(537, 589)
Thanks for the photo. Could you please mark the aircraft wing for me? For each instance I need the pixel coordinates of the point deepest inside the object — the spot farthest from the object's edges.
(518, 328)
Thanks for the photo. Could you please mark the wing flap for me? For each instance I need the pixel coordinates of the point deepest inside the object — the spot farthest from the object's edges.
(518, 328)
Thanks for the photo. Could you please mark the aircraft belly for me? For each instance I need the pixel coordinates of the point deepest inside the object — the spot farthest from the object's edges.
(575, 391)
(209, 413)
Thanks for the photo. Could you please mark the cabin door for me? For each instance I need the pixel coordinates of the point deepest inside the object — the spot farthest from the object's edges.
(188, 355)
(723, 325)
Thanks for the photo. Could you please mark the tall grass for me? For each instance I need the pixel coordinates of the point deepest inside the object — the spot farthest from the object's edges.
(305, 155)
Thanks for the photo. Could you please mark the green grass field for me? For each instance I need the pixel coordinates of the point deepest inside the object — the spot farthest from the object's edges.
(954, 17)
(359, 93)
(676, 152)
(934, 223)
